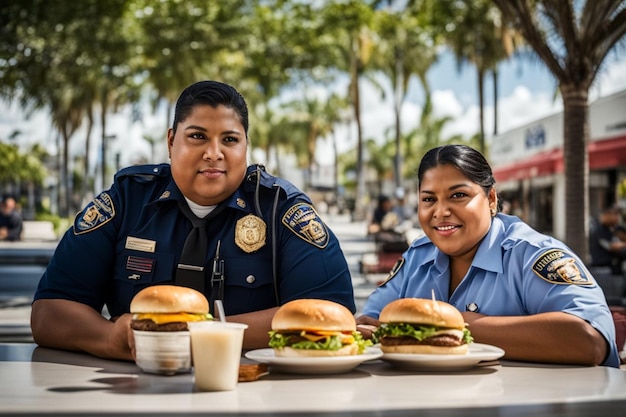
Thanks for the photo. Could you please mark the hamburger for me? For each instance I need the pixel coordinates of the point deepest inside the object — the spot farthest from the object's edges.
(167, 308)
(420, 325)
(312, 327)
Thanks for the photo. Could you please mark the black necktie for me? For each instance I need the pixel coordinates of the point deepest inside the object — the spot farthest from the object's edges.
(191, 270)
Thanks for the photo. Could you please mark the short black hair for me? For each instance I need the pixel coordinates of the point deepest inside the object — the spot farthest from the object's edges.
(213, 93)
(466, 159)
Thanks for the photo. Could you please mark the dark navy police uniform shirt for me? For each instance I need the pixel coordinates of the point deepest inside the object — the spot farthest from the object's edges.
(131, 236)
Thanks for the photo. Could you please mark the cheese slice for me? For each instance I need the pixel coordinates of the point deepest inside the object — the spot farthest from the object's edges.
(453, 332)
(346, 339)
(162, 318)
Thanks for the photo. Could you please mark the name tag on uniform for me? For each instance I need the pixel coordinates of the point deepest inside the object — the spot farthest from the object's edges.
(142, 245)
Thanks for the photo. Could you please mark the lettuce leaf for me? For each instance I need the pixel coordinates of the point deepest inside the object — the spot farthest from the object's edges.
(281, 340)
(417, 332)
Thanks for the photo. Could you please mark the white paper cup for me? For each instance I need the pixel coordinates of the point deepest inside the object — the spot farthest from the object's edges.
(216, 351)
(166, 353)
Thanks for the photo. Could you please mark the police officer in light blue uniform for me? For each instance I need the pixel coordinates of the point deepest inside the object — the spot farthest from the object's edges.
(265, 243)
(514, 270)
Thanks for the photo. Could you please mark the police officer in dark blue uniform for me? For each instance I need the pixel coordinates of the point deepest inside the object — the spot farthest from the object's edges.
(206, 221)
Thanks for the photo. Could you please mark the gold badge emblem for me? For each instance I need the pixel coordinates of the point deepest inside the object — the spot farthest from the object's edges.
(250, 233)
(303, 220)
(97, 213)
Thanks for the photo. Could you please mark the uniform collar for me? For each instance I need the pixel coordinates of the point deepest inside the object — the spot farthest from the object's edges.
(484, 258)
(172, 193)
(491, 244)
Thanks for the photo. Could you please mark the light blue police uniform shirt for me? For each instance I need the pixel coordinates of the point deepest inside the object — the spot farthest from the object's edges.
(516, 271)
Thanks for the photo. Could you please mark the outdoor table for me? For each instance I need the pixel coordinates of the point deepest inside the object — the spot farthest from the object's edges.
(41, 381)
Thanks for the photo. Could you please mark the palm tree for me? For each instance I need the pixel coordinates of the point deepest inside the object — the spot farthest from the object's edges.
(310, 114)
(473, 30)
(335, 112)
(572, 39)
(405, 48)
(185, 41)
(349, 23)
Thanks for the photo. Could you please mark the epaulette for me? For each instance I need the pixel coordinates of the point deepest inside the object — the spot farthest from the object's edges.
(268, 180)
(144, 173)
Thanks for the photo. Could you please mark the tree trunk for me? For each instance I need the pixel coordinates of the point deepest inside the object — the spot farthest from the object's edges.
(397, 106)
(86, 175)
(103, 151)
(335, 165)
(359, 204)
(64, 190)
(481, 103)
(576, 158)
(494, 74)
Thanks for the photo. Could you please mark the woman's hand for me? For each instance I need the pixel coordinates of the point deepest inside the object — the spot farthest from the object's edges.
(367, 326)
(122, 337)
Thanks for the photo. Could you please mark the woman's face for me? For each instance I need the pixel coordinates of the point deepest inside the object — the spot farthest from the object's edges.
(453, 211)
(208, 154)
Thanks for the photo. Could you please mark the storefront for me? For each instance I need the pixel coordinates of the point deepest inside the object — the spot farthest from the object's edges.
(528, 164)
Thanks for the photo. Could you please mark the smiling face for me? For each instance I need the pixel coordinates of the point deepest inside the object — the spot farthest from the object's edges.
(454, 212)
(208, 153)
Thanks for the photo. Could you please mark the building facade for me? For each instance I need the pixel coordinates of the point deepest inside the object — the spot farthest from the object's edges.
(528, 165)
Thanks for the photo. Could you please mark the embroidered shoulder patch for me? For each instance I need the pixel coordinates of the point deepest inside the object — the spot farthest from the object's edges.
(97, 213)
(303, 220)
(559, 267)
(394, 270)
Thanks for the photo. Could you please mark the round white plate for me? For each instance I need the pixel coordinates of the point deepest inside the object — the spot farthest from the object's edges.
(314, 365)
(477, 352)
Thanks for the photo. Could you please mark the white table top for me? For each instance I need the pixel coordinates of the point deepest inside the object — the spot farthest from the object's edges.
(36, 380)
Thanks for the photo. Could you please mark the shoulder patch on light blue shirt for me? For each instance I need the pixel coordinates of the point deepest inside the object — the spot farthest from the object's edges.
(560, 267)
(304, 222)
(97, 213)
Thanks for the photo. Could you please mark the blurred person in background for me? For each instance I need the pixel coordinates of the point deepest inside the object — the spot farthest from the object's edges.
(384, 218)
(11, 223)
(605, 245)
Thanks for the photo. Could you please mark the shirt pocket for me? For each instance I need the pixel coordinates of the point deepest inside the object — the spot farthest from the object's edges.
(248, 273)
(249, 285)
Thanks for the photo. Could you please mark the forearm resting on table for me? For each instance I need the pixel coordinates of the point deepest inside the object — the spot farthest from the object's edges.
(259, 324)
(555, 337)
(69, 325)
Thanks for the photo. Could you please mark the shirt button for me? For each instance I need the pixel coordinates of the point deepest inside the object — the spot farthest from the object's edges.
(250, 279)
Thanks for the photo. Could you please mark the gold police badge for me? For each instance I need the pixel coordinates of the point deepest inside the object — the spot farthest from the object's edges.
(250, 233)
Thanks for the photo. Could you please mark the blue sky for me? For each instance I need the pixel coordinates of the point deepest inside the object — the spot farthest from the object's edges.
(530, 73)
(526, 93)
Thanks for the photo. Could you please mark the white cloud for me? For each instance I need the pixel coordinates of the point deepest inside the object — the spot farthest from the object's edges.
(523, 107)
(611, 79)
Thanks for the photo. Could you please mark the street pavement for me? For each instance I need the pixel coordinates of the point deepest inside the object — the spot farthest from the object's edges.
(18, 282)
(355, 243)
